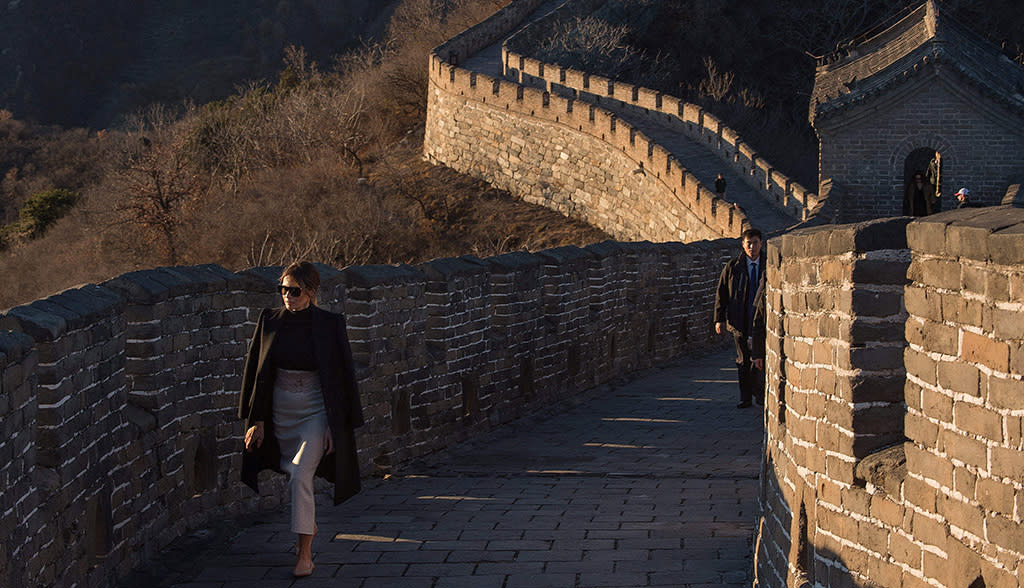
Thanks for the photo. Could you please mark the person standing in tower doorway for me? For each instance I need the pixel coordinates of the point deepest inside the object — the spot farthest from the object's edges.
(919, 197)
(740, 289)
(720, 186)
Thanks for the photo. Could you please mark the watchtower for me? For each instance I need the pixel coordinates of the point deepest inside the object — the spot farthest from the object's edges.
(925, 94)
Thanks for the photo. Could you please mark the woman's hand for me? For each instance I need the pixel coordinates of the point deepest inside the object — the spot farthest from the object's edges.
(254, 436)
(328, 442)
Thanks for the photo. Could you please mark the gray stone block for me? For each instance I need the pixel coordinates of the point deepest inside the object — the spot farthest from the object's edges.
(368, 276)
(14, 345)
(1006, 246)
(452, 268)
(34, 321)
(516, 261)
(887, 233)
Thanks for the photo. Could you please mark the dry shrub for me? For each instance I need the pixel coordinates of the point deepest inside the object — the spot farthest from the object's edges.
(592, 44)
(314, 211)
(35, 159)
(306, 115)
(72, 253)
(395, 70)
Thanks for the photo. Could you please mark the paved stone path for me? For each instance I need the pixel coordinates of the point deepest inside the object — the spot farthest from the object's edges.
(651, 483)
(703, 163)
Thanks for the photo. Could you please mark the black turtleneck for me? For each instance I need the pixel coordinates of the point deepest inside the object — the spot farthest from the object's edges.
(293, 344)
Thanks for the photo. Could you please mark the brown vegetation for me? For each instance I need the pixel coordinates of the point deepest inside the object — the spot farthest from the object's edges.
(324, 165)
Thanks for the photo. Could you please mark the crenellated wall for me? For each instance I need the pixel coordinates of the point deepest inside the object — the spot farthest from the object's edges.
(641, 103)
(118, 400)
(894, 451)
(574, 157)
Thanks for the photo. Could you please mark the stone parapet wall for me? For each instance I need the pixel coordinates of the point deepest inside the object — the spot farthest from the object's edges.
(565, 154)
(835, 389)
(20, 512)
(647, 104)
(118, 400)
(135, 383)
(965, 395)
(894, 413)
(491, 30)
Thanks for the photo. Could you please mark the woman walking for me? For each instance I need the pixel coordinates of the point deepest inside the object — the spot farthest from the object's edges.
(300, 403)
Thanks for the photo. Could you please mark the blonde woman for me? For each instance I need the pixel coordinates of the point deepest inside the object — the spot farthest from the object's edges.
(300, 403)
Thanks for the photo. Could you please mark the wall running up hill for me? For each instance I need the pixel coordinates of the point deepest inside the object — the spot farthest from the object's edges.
(553, 136)
(570, 156)
(642, 103)
(118, 400)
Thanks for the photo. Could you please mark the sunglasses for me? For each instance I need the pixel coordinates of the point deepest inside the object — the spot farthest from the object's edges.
(293, 291)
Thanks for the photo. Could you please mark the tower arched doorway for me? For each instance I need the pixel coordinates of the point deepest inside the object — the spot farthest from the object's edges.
(927, 162)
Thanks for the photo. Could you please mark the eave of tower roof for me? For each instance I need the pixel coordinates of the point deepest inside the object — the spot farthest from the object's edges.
(917, 43)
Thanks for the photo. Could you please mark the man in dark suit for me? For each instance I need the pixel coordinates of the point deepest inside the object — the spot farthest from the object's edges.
(740, 289)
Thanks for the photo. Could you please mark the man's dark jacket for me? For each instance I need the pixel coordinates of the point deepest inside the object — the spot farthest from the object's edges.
(341, 399)
(729, 297)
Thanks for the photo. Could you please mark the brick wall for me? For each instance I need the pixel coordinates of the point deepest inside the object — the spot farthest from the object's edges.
(118, 400)
(835, 389)
(857, 362)
(965, 395)
(574, 157)
(20, 512)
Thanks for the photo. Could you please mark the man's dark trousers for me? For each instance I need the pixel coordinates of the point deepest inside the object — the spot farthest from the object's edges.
(751, 379)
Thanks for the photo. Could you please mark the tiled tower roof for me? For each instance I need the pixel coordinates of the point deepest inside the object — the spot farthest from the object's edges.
(923, 41)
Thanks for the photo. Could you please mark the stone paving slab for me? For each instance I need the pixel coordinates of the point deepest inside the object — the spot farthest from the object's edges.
(651, 483)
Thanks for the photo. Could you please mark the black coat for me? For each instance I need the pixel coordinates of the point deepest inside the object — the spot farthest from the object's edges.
(341, 399)
(730, 296)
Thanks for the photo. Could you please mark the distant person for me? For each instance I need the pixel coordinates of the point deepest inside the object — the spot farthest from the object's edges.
(300, 403)
(919, 198)
(963, 199)
(740, 290)
(720, 186)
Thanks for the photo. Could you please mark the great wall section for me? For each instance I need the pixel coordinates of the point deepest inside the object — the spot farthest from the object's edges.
(894, 448)
(118, 400)
(579, 143)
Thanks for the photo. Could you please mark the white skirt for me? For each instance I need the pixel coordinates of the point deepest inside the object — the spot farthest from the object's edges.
(300, 421)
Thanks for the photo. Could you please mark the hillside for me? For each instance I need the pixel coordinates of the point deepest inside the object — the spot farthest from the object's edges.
(323, 160)
(85, 63)
(323, 164)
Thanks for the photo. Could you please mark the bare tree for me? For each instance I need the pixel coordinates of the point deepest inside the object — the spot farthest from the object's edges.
(158, 186)
(818, 26)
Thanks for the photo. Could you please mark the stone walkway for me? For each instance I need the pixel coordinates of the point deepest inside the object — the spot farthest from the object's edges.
(651, 483)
